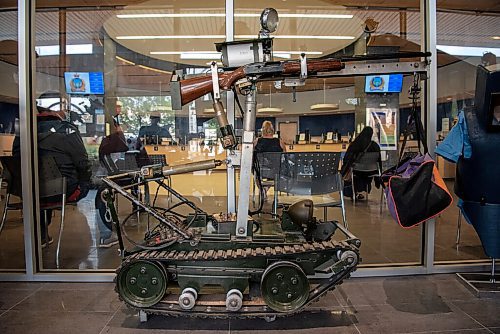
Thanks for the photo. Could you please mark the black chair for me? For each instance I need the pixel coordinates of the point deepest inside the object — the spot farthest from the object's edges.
(12, 178)
(158, 159)
(133, 161)
(269, 164)
(51, 185)
(367, 165)
(313, 173)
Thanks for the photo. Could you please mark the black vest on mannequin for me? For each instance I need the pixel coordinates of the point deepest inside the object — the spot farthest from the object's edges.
(477, 180)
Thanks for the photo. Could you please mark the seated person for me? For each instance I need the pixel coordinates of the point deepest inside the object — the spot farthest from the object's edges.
(113, 143)
(154, 133)
(61, 140)
(267, 143)
(361, 144)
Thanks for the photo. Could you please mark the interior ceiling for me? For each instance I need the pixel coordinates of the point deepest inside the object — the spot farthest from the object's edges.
(478, 5)
(86, 25)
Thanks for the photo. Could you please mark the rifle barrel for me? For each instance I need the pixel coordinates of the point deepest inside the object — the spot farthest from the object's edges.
(191, 89)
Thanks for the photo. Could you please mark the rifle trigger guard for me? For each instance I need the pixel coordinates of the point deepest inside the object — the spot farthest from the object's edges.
(215, 80)
(303, 66)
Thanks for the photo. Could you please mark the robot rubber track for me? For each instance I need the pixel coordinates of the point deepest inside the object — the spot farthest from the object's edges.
(213, 305)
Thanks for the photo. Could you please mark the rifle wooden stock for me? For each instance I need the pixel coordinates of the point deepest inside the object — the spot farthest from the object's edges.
(193, 88)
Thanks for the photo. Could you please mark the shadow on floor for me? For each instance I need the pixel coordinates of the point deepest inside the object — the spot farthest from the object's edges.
(304, 320)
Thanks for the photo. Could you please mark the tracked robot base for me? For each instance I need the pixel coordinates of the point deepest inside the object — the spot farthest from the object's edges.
(198, 267)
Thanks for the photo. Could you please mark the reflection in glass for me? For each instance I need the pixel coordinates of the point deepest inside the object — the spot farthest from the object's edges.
(113, 93)
(11, 224)
(325, 115)
(465, 41)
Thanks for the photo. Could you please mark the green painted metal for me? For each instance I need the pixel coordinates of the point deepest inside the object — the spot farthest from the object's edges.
(142, 283)
(284, 286)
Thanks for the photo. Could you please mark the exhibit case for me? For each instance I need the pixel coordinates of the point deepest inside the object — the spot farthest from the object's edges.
(113, 68)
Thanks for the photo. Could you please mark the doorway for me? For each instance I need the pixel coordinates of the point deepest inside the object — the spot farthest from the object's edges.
(288, 131)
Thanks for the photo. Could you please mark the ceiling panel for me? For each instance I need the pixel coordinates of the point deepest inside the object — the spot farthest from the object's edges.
(85, 26)
(477, 5)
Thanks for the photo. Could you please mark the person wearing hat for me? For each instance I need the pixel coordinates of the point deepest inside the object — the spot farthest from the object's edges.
(154, 133)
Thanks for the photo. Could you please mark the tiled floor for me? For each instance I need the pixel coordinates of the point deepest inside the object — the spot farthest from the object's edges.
(422, 304)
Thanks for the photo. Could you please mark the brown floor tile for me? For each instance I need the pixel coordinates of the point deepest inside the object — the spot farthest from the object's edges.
(409, 318)
(11, 297)
(71, 301)
(16, 322)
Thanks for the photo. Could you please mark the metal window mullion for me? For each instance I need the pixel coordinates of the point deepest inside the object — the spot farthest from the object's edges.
(231, 172)
(429, 113)
(28, 145)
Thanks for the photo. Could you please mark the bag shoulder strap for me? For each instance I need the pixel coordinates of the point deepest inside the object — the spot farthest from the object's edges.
(414, 119)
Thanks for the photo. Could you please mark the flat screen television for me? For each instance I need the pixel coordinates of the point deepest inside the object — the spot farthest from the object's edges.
(84, 83)
(387, 83)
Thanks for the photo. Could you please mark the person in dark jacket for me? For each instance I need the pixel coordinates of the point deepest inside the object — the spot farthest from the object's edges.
(267, 143)
(61, 140)
(361, 144)
(154, 133)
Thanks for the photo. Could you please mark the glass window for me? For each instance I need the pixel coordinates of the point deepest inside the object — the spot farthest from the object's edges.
(465, 40)
(327, 114)
(104, 108)
(11, 224)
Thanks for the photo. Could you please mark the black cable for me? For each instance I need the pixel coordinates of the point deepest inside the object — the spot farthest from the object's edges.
(156, 193)
(124, 231)
(258, 180)
(238, 102)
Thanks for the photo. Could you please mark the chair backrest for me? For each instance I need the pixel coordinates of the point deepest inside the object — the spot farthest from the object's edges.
(128, 163)
(12, 174)
(109, 164)
(157, 159)
(367, 162)
(310, 173)
(269, 164)
(51, 182)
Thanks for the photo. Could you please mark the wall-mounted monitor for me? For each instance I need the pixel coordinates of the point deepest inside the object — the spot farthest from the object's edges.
(388, 83)
(84, 83)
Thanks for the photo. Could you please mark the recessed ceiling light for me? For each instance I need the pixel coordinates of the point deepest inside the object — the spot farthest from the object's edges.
(138, 37)
(154, 69)
(198, 15)
(319, 16)
(325, 107)
(167, 15)
(208, 55)
(496, 37)
(125, 60)
(173, 37)
(271, 110)
(71, 49)
(301, 37)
